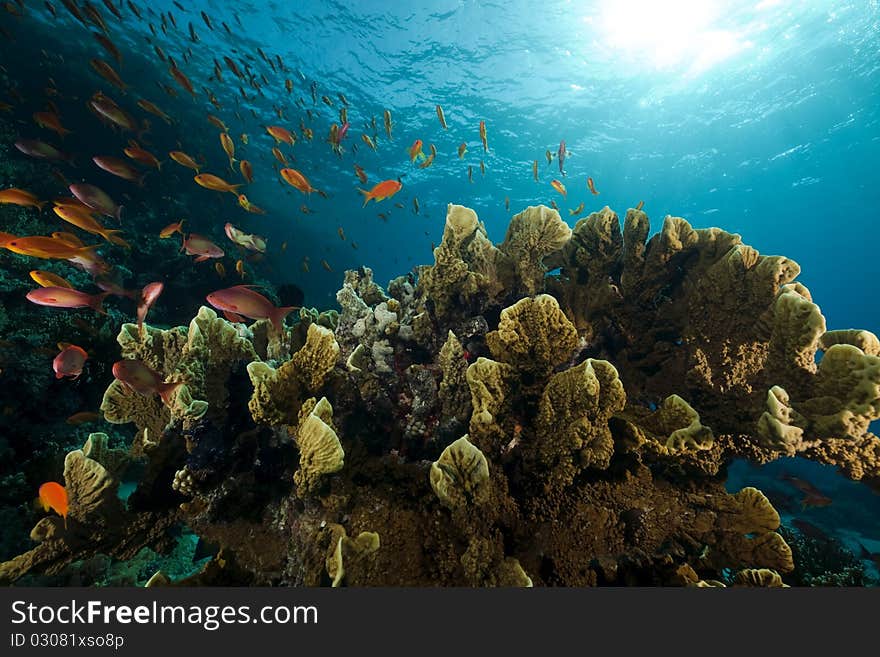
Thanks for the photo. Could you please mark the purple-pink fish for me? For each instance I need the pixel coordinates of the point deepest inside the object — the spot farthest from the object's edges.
(62, 297)
(119, 168)
(201, 246)
(97, 199)
(141, 378)
(69, 362)
(149, 295)
(42, 150)
(242, 300)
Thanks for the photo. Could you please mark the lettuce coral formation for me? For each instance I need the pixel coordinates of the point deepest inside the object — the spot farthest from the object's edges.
(496, 422)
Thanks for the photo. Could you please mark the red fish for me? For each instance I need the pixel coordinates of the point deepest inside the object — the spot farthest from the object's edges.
(242, 300)
(69, 362)
(142, 379)
(149, 295)
(62, 297)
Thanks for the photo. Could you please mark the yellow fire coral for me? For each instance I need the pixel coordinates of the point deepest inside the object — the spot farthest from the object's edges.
(533, 235)
(279, 393)
(533, 335)
(460, 474)
(319, 450)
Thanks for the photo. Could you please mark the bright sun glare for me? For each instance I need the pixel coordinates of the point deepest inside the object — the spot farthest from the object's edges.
(667, 35)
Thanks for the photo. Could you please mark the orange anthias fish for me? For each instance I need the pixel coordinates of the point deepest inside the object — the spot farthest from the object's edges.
(85, 221)
(54, 496)
(228, 147)
(441, 116)
(247, 171)
(416, 150)
(201, 246)
(48, 247)
(109, 46)
(138, 154)
(250, 207)
(50, 121)
(279, 155)
(97, 199)
(559, 187)
(107, 110)
(42, 150)
(48, 279)
(242, 300)
(362, 176)
(381, 191)
(107, 72)
(16, 196)
(153, 109)
(62, 297)
(295, 179)
(813, 497)
(280, 134)
(170, 229)
(69, 362)
(483, 136)
(148, 297)
(184, 160)
(142, 379)
(181, 79)
(212, 182)
(83, 417)
(577, 210)
(591, 186)
(217, 122)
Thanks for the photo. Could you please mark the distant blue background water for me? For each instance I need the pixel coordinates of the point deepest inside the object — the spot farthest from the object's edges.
(760, 117)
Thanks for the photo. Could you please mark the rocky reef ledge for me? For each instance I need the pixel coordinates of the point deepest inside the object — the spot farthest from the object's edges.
(556, 409)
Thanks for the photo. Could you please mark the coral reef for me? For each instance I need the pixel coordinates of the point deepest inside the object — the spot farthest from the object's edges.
(494, 421)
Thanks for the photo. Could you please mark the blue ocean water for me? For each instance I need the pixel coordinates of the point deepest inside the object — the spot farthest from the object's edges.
(757, 116)
(761, 117)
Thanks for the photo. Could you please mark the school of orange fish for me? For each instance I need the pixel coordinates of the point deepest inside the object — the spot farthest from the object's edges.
(88, 204)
